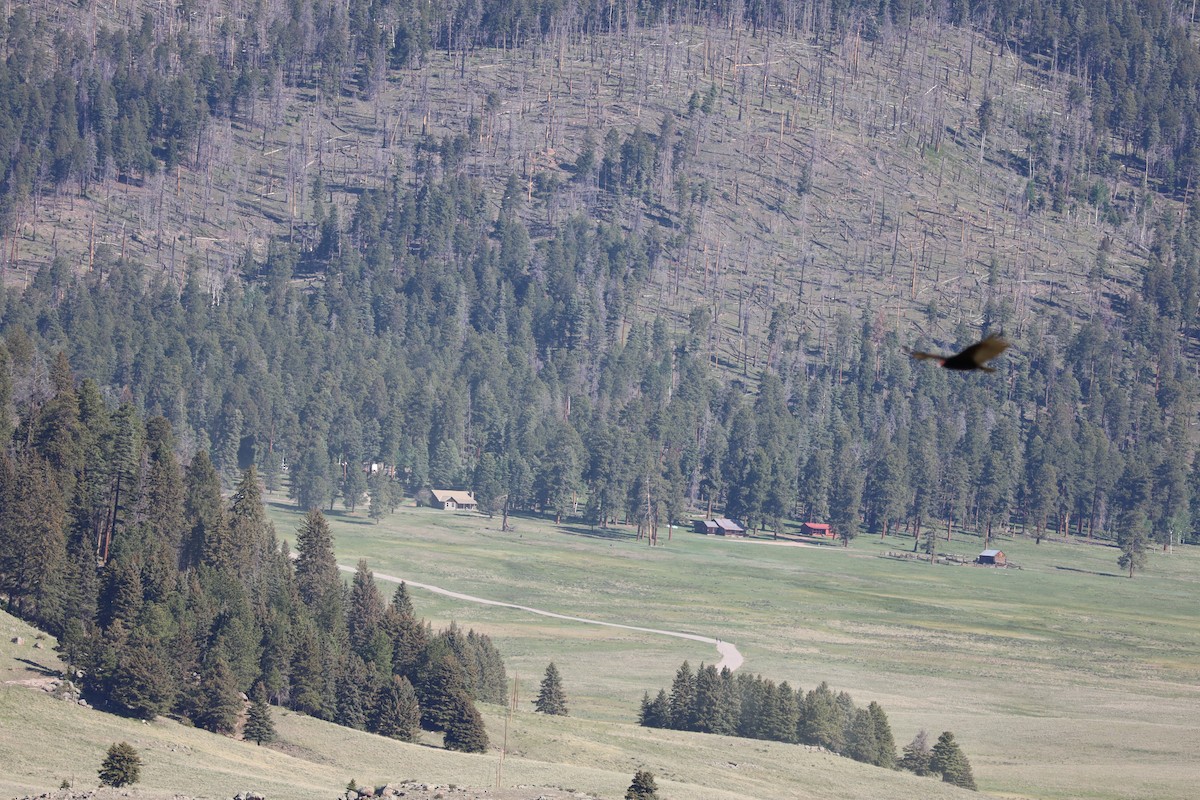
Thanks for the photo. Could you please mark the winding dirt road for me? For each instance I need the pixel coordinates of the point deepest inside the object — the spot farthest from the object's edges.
(730, 656)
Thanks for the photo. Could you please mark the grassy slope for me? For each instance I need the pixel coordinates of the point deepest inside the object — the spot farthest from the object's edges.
(44, 740)
(1062, 679)
(889, 223)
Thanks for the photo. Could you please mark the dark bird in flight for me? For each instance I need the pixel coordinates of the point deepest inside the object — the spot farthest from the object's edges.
(974, 357)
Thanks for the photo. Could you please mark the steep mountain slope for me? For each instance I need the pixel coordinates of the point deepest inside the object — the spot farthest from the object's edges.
(809, 174)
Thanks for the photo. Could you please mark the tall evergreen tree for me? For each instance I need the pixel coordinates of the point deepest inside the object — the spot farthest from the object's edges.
(408, 635)
(948, 759)
(356, 693)
(33, 547)
(221, 702)
(551, 699)
(259, 727)
(208, 541)
(397, 712)
(885, 742)
(465, 730)
(317, 578)
(365, 613)
(683, 698)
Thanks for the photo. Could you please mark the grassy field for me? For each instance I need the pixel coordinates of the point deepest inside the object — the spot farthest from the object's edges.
(1063, 679)
(44, 741)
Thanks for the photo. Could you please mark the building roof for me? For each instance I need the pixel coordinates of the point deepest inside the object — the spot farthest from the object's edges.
(724, 523)
(459, 497)
(820, 526)
(992, 553)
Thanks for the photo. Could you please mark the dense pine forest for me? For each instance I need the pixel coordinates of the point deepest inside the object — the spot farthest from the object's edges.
(168, 597)
(507, 352)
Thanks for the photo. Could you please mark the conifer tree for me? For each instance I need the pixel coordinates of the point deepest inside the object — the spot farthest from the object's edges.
(141, 682)
(309, 692)
(208, 540)
(317, 578)
(713, 710)
(163, 496)
(221, 702)
(251, 535)
(551, 699)
(355, 693)
(6, 390)
(397, 712)
(885, 742)
(683, 698)
(917, 754)
(379, 486)
(465, 730)
(861, 741)
(1132, 540)
(365, 612)
(122, 766)
(821, 720)
(655, 713)
(783, 714)
(948, 759)
(440, 687)
(33, 547)
(643, 787)
(408, 635)
(259, 727)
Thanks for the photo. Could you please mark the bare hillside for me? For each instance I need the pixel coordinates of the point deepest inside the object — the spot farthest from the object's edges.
(789, 176)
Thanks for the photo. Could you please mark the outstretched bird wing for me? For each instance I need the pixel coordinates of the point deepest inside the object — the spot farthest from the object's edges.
(982, 352)
(922, 355)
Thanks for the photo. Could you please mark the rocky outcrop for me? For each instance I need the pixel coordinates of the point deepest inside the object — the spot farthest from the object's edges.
(414, 790)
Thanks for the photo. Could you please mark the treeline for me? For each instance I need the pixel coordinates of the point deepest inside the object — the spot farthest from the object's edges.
(172, 600)
(452, 346)
(715, 701)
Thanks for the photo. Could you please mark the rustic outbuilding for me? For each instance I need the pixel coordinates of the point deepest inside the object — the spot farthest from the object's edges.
(452, 500)
(819, 529)
(994, 557)
(719, 527)
(727, 527)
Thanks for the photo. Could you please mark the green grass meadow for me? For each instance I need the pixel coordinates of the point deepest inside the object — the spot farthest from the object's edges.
(1062, 679)
(44, 741)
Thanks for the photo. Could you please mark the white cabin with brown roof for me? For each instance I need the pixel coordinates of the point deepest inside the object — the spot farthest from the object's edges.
(454, 500)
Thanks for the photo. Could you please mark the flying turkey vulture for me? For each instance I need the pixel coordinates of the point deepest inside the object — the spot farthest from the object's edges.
(974, 357)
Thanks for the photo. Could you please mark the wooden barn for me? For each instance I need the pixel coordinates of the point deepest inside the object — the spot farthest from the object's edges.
(727, 527)
(719, 527)
(993, 557)
(819, 529)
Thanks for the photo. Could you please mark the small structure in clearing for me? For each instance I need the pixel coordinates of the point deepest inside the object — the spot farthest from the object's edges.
(818, 529)
(993, 557)
(719, 527)
(452, 500)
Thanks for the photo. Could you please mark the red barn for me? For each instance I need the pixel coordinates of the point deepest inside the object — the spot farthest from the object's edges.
(818, 529)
